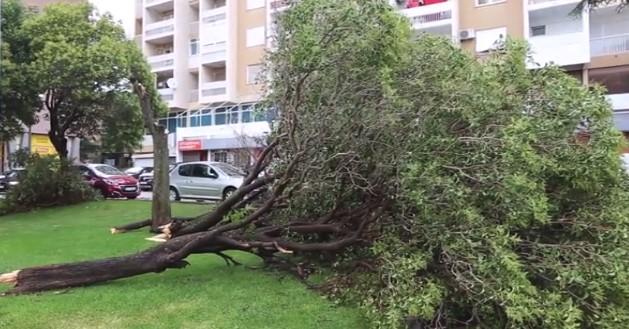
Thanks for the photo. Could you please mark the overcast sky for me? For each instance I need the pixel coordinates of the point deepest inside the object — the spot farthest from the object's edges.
(122, 10)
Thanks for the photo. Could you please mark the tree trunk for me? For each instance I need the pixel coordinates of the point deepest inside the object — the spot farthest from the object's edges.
(60, 143)
(161, 181)
(62, 276)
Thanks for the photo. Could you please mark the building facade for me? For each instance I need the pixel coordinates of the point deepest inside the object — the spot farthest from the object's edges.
(207, 55)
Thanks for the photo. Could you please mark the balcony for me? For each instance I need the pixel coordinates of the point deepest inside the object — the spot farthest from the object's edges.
(609, 45)
(213, 91)
(159, 29)
(560, 49)
(429, 16)
(619, 101)
(163, 62)
(213, 53)
(542, 4)
(194, 95)
(214, 15)
(152, 3)
(168, 94)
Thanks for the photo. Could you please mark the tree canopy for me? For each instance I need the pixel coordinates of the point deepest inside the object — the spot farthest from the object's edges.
(18, 99)
(80, 60)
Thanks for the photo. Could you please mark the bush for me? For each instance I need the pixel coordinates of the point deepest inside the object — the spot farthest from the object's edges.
(47, 182)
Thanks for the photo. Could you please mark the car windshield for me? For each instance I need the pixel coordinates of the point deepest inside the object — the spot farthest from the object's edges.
(134, 170)
(108, 170)
(229, 169)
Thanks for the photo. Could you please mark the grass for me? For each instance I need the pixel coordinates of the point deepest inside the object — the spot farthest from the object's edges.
(207, 294)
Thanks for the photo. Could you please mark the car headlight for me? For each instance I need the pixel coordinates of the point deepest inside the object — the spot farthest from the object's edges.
(110, 182)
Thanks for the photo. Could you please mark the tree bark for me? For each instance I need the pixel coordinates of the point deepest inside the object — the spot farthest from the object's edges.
(160, 209)
(161, 212)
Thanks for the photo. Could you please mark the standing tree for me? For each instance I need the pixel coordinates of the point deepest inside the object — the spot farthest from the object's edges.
(80, 59)
(18, 99)
(443, 192)
(120, 133)
(152, 107)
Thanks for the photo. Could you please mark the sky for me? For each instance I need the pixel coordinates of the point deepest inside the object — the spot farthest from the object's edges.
(122, 10)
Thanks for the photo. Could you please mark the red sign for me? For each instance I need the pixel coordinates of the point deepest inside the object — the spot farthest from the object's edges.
(191, 145)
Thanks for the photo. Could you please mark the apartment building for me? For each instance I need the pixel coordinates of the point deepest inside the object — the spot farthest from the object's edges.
(207, 55)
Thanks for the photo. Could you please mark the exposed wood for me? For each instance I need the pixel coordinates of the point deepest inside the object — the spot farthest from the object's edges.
(9, 278)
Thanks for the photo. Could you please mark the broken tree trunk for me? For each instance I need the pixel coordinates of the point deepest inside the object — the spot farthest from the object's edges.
(153, 260)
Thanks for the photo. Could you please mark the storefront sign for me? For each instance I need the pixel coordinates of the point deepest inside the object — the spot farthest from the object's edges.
(41, 145)
(190, 145)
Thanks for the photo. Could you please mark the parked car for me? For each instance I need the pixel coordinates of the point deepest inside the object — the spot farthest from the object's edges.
(146, 179)
(10, 179)
(136, 172)
(110, 181)
(204, 180)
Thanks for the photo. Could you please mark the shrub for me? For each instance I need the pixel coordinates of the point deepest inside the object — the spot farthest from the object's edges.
(47, 182)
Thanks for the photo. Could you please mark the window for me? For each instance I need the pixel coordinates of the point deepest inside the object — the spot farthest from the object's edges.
(219, 156)
(255, 36)
(488, 2)
(255, 4)
(194, 47)
(220, 117)
(538, 30)
(203, 171)
(490, 39)
(185, 170)
(206, 117)
(233, 115)
(247, 113)
(253, 73)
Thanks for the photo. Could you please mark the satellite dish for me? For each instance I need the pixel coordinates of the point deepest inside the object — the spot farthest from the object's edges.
(171, 83)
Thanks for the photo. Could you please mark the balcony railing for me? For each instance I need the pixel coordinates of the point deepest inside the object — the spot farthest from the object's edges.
(167, 94)
(561, 49)
(164, 61)
(194, 95)
(538, 2)
(611, 44)
(213, 15)
(430, 15)
(214, 88)
(215, 52)
(152, 2)
(619, 101)
(160, 27)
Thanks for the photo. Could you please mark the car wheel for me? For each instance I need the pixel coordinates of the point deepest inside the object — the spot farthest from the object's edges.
(173, 195)
(228, 192)
(132, 197)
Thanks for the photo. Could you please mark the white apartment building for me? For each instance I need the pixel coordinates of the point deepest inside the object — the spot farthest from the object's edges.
(207, 55)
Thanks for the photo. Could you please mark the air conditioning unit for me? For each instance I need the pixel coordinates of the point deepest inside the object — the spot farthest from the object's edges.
(467, 34)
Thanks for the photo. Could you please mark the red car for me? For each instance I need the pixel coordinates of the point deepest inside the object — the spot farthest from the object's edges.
(111, 182)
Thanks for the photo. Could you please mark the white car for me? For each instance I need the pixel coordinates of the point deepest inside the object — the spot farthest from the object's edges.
(204, 180)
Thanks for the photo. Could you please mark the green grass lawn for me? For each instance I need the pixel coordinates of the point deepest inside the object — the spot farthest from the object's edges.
(207, 294)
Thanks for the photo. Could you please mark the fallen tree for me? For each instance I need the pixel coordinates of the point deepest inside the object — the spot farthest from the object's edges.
(440, 191)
